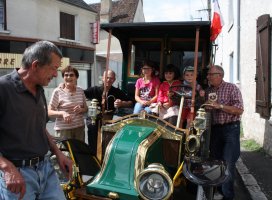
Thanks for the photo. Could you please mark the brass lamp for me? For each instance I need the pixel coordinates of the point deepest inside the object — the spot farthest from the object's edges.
(200, 121)
(192, 144)
(93, 110)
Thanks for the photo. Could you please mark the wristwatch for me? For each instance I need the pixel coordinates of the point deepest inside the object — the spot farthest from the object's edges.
(221, 106)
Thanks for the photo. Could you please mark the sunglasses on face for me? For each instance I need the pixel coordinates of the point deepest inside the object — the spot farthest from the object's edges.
(69, 75)
(146, 68)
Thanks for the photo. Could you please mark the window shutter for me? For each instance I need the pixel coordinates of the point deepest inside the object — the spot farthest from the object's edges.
(67, 26)
(263, 66)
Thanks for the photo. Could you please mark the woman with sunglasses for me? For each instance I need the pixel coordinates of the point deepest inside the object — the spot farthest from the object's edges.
(68, 105)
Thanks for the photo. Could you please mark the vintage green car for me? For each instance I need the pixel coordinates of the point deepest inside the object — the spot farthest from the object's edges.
(145, 157)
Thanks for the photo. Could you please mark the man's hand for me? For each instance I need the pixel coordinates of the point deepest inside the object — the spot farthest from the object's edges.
(64, 162)
(14, 180)
(66, 165)
(118, 103)
(212, 105)
(215, 105)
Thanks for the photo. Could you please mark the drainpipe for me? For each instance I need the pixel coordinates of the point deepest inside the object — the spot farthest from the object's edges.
(238, 72)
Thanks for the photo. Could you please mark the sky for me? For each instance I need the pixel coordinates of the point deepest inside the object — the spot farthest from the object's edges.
(172, 10)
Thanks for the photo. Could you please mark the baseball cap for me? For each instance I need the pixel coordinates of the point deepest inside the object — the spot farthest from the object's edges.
(188, 68)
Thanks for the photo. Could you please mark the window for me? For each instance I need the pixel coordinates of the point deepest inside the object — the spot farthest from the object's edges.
(176, 51)
(144, 50)
(67, 26)
(2, 15)
(181, 53)
(263, 66)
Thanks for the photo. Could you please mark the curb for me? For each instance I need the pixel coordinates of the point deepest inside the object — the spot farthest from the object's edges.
(250, 182)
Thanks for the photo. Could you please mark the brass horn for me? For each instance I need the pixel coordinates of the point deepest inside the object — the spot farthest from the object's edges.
(192, 144)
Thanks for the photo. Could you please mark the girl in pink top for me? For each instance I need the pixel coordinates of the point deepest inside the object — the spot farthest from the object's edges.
(167, 109)
(146, 88)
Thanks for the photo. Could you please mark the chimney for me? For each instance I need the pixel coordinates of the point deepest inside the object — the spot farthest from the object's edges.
(105, 11)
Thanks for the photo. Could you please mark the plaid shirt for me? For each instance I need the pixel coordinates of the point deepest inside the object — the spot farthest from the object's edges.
(227, 94)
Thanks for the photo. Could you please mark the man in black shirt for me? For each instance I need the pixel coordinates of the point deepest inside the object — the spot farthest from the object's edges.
(115, 98)
(26, 171)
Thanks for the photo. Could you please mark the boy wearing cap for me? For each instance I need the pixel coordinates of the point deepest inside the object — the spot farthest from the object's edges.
(188, 76)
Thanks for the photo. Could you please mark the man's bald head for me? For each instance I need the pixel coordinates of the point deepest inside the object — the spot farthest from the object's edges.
(110, 72)
(110, 78)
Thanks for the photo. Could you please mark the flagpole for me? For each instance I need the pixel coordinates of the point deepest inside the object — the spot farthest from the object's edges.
(209, 18)
(209, 9)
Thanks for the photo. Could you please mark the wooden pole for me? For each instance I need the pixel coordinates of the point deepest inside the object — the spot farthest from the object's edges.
(195, 76)
(104, 95)
(104, 99)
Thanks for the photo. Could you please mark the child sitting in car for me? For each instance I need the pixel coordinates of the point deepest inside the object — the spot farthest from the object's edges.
(188, 76)
(168, 110)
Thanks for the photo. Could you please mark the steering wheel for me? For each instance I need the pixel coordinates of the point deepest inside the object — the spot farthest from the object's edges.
(176, 92)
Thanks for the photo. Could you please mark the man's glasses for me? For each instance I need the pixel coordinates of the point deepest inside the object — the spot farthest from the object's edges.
(212, 74)
(69, 75)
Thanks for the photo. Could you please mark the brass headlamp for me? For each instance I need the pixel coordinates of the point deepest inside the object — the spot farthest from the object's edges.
(93, 110)
(200, 121)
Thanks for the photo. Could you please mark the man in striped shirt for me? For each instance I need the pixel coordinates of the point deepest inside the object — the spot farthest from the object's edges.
(226, 106)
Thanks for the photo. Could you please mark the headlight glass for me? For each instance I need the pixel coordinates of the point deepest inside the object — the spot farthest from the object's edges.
(154, 184)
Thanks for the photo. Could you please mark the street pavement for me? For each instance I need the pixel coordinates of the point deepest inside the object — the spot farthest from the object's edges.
(255, 168)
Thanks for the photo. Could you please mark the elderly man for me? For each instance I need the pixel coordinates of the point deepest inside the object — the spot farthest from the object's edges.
(115, 98)
(25, 168)
(226, 106)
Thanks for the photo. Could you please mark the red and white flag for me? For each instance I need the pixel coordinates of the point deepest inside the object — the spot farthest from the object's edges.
(217, 21)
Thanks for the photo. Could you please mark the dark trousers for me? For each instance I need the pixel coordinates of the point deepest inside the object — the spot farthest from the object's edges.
(225, 145)
(92, 135)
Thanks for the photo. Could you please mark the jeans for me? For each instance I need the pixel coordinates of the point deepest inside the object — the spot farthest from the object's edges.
(225, 145)
(139, 107)
(41, 183)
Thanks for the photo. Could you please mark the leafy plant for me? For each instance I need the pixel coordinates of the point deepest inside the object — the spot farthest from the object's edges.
(250, 145)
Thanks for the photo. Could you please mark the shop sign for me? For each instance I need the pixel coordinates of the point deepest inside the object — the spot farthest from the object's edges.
(95, 32)
(12, 60)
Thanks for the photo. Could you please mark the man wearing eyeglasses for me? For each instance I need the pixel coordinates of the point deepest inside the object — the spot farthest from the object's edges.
(226, 107)
(115, 98)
